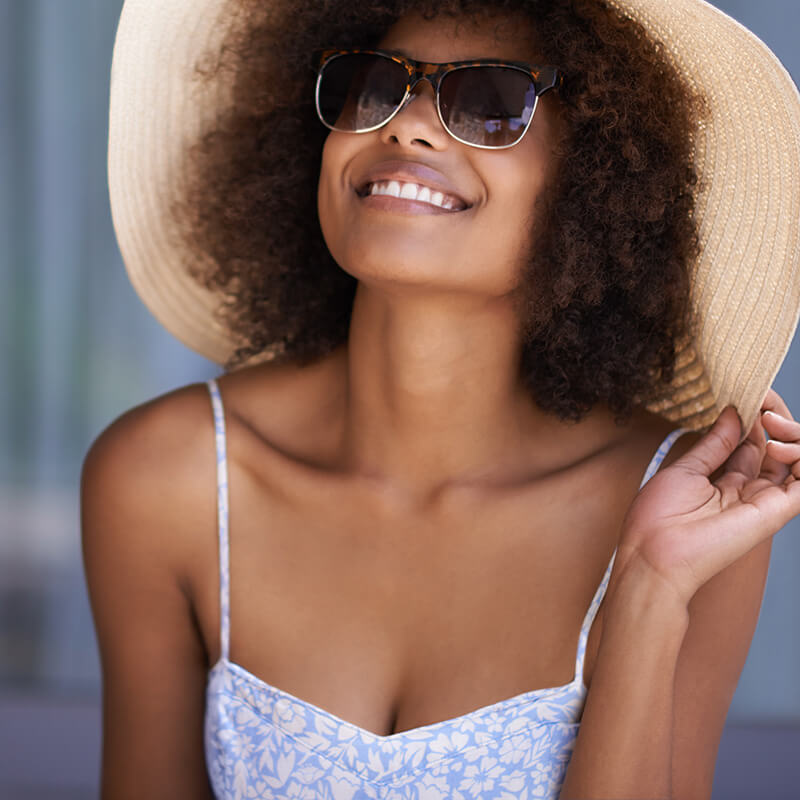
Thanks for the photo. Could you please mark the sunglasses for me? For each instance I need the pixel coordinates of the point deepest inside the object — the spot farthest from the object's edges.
(485, 103)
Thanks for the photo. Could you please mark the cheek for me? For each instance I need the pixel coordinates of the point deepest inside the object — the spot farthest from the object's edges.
(325, 194)
(515, 190)
(337, 152)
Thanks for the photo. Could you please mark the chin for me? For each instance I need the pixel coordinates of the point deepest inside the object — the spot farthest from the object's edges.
(389, 257)
(445, 275)
(395, 272)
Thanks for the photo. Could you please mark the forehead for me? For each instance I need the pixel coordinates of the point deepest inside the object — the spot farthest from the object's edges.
(444, 38)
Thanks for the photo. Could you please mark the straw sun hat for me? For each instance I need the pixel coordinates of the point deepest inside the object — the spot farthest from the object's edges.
(746, 284)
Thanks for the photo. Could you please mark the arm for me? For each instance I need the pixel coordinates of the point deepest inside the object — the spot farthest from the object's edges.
(723, 617)
(136, 514)
(680, 614)
(663, 682)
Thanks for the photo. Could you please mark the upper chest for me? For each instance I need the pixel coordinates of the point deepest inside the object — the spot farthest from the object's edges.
(394, 620)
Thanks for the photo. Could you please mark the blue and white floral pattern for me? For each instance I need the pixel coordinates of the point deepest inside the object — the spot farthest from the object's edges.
(262, 742)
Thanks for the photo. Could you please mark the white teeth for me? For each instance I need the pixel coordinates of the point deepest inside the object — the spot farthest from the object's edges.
(412, 191)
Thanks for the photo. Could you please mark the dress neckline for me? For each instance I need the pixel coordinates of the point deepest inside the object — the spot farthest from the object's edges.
(532, 695)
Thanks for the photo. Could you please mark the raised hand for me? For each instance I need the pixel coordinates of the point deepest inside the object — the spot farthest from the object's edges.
(718, 501)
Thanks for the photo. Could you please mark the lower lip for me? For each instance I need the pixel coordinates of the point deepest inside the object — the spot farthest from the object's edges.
(402, 205)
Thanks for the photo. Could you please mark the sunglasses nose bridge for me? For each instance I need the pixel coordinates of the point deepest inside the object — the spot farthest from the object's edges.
(415, 81)
(424, 123)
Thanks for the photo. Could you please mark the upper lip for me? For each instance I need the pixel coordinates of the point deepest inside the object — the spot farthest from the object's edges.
(410, 172)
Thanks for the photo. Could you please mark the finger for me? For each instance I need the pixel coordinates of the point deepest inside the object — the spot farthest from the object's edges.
(714, 449)
(777, 505)
(781, 427)
(785, 452)
(781, 430)
(748, 458)
(788, 456)
(774, 402)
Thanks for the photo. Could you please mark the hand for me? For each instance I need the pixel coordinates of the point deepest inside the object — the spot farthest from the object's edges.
(718, 501)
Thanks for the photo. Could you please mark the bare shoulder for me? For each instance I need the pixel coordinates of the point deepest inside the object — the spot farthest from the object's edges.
(168, 423)
(657, 429)
(152, 468)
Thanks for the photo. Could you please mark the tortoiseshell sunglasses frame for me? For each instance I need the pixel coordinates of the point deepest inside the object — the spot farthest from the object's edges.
(543, 78)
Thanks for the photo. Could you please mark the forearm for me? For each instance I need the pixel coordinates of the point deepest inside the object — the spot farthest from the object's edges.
(624, 746)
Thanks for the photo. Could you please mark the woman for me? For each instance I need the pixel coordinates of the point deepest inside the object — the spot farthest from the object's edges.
(428, 571)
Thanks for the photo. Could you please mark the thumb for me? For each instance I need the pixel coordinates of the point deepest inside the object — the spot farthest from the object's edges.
(714, 449)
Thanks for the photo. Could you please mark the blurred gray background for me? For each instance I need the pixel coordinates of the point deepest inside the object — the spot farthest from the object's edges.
(77, 348)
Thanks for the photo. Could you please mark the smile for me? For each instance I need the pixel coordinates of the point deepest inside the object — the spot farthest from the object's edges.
(415, 191)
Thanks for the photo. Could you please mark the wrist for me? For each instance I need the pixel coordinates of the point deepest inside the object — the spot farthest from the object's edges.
(639, 596)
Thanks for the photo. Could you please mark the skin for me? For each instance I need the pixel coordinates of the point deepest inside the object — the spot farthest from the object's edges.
(401, 508)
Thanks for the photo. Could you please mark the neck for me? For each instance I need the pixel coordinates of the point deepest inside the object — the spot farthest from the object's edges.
(433, 393)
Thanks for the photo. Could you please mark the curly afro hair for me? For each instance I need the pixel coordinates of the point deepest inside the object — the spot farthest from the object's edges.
(603, 301)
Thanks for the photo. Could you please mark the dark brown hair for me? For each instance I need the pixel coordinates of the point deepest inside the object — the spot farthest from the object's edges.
(604, 295)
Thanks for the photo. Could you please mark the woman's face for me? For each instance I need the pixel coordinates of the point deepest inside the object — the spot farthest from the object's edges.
(480, 245)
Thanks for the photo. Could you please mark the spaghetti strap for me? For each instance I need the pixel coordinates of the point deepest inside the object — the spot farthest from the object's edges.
(652, 468)
(222, 519)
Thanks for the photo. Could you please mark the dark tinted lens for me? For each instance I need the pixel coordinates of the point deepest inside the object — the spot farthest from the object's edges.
(489, 106)
(359, 91)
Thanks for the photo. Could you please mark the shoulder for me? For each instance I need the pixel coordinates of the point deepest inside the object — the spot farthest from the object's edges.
(142, 436)
(652, 443)
(154, 468)
(645, 443)
(149, 476)
(147, 443)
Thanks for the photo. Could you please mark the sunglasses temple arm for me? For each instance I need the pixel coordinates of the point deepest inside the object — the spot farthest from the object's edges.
(549, 78)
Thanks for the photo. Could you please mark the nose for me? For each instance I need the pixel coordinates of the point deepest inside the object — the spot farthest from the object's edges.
(417, 123)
